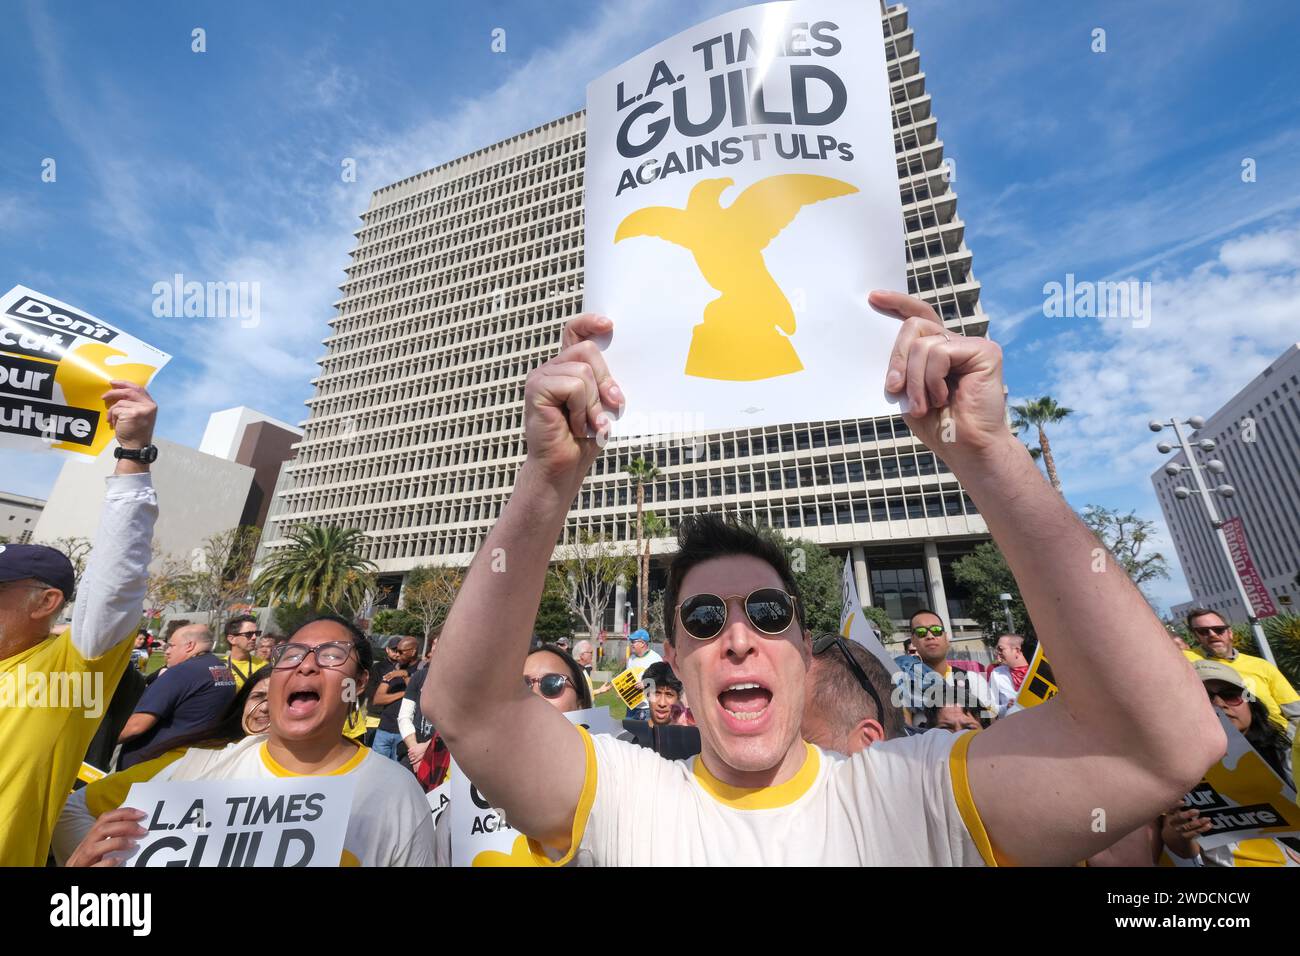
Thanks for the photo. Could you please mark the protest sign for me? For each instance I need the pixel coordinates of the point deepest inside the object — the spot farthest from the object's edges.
(628, 687)
(89, 773)
(596, 720)
(1039, 684)
(55, 363)
(439, 799)
(480, 833)
(854, 624)
(1261, 602)
(290, 821)
(1243, 797)
(741, 201)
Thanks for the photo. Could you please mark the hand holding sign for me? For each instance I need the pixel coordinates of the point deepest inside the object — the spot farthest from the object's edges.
(112, 838)
(938, 370)
(131, 413)
(565, 402)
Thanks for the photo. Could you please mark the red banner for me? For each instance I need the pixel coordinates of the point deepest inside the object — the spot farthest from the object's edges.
(1260, 599)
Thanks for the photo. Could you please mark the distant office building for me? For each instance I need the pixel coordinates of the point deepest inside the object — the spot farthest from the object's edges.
(460, 282)
(18, 517)
(1257, 436)
(229, 482)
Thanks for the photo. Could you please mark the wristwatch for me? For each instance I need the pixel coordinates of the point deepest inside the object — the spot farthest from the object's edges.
(147, 454)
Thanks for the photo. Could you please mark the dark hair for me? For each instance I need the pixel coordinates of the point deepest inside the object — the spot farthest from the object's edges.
(238, 621)
(918, 612)
(226, 729)
(932, 715)
(361, 643)
(1196, 612)
(840, 697)
(1272, 744)
(577, 676)
(704, 537)
(661, 673)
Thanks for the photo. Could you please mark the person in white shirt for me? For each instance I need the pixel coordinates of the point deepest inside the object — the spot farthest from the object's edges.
(1006, 678)
(317, 676)
(1023, 790)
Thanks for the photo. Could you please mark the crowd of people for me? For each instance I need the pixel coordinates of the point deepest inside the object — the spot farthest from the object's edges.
(756, 741)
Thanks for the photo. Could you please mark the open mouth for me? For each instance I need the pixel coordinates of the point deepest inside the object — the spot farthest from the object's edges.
(745, 701)
(303, 702)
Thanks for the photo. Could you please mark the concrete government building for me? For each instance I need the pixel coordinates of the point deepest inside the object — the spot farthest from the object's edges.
(1257, 437)
(460, 282)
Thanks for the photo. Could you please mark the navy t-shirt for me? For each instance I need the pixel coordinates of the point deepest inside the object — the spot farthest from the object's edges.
(190, 696)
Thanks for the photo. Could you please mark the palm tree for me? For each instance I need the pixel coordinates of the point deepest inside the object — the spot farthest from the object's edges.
(321, 568)
(640, 471)
(1037, 413)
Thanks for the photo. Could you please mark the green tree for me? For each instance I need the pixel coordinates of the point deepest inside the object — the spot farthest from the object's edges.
(640, 471)
(289, 617)
(589, 576)
(219, 573)
(429, 594)
(391, 621)
(985, 575)
(880, 617)
(554, 619)
(1124, 535)
(819, 575)
(1037, 413)
(323, 568)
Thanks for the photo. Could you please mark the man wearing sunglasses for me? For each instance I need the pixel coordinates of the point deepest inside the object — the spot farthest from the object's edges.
(847, 708)
(1263, 680)
(1024, 790)
(242, 635)
(932, 681)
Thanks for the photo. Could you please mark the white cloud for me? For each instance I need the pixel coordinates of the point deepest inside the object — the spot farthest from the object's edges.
(1214, 328)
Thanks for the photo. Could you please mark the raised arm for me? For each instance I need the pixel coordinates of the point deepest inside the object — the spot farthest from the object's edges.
(111, 594)
(1130, 732)
(521, 753)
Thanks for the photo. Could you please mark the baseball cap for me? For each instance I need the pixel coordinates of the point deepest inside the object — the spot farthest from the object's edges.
(1215, 670)
(48, 565)
(640, 635)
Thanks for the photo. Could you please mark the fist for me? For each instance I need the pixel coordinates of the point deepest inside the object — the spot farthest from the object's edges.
(954, 398)
(570, 402)
(131, 413)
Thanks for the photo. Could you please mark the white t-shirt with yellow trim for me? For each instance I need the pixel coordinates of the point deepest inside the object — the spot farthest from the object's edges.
(904, 802)
(390, 824)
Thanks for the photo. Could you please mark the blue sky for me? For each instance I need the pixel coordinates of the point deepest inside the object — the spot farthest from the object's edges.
(225, 165)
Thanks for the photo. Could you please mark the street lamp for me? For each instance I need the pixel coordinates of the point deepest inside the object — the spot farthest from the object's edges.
(1223, 490)
(1006, 608)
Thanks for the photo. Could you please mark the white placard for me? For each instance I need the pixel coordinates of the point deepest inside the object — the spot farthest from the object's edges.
(741, 201)
(291, 821)
(55, 363)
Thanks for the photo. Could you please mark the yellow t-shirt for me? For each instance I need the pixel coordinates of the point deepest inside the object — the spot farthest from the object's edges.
(354, 728)
(51, 703)
(1262, 679)
(243, 670)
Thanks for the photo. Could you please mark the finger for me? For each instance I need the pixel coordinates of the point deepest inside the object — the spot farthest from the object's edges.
(902, 306)
(567, 393)
(588, 325)
(913, 329)
(918, 358)
(595, 412)
(587, 351)
(937, 366)
(121, 813)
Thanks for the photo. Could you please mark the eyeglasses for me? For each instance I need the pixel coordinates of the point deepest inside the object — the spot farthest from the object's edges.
(551, 685)
(827, 641)
(770, 611)
(1212, 630)
(248, 634)
(1230, 697)
(922, 630)
(331, 654)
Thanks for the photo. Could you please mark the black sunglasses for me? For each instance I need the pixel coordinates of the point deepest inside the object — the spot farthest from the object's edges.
(1211, 630)
(551, 685)
(826, 642)
(770, 611)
